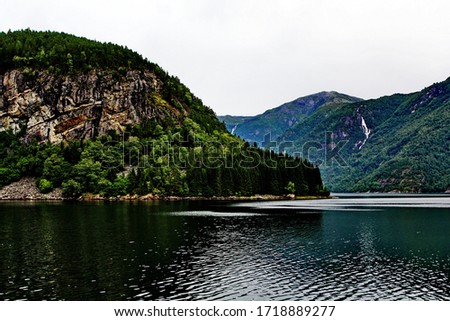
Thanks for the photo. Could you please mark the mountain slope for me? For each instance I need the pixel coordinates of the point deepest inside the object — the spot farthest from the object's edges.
(277, 120)
(400, 142)
(231, 122)
(57, 86)
(98, 118)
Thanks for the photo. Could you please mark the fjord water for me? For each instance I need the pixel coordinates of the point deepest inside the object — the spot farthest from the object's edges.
(377, 248)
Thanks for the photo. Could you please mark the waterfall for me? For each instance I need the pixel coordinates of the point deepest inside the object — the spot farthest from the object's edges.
(366, 131)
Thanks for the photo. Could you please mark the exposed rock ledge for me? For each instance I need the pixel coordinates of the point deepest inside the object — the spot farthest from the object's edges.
(25, 189)
(57, 108)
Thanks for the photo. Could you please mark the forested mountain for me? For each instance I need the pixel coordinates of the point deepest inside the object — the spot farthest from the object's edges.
(99, 118)
(394, 143)
(277, 120)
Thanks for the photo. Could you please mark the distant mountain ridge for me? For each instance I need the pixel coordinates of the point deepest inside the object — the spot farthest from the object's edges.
(395, 143)
(231, 122)
(277, 120)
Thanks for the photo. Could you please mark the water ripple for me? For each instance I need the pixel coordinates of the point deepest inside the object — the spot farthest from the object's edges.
(263, 251)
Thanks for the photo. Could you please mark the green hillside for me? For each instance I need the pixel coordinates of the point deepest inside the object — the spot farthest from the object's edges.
(407, 149)
(91, 117)
(277, 120)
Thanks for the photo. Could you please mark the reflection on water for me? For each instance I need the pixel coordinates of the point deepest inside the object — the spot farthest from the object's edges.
(358, 249)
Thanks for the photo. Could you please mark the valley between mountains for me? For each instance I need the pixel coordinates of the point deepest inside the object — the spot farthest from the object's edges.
(398, 143)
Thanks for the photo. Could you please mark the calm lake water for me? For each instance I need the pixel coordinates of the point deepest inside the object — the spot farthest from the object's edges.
(365, 248)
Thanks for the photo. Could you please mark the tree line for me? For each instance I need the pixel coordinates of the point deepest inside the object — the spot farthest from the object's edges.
(165, 163)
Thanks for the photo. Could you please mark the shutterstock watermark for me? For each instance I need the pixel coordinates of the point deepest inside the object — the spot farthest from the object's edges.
(325, 153)
(192, 153)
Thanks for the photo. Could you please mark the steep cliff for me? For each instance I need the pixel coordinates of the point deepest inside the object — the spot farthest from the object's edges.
(55, 108)
(56, 86)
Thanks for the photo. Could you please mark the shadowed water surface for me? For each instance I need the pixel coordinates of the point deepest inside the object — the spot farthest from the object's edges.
(384, 248)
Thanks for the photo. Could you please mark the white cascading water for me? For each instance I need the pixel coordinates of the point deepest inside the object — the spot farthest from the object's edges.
(366, 131)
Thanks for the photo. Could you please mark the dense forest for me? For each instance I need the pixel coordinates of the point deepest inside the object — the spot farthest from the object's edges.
(62, 53)
(192, 155)
(152, 160)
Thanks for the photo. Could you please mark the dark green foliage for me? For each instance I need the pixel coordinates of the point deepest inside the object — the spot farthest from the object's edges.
(214, 165)
(64, 53)
(56, 169)
(71, 188)
(8, 175)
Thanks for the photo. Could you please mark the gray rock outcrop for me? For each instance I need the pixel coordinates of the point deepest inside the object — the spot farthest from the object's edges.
(57, 108)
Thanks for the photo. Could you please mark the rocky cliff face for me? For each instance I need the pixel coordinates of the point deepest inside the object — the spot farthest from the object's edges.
(56, 108)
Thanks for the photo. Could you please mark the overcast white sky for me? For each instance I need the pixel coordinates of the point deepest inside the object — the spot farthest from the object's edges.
(242, 57)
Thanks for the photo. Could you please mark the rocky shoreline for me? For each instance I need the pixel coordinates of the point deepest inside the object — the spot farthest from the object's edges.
(151, 197)
(26, 189)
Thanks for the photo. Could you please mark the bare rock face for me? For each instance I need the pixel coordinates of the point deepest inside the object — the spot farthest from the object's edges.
(56, 108)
